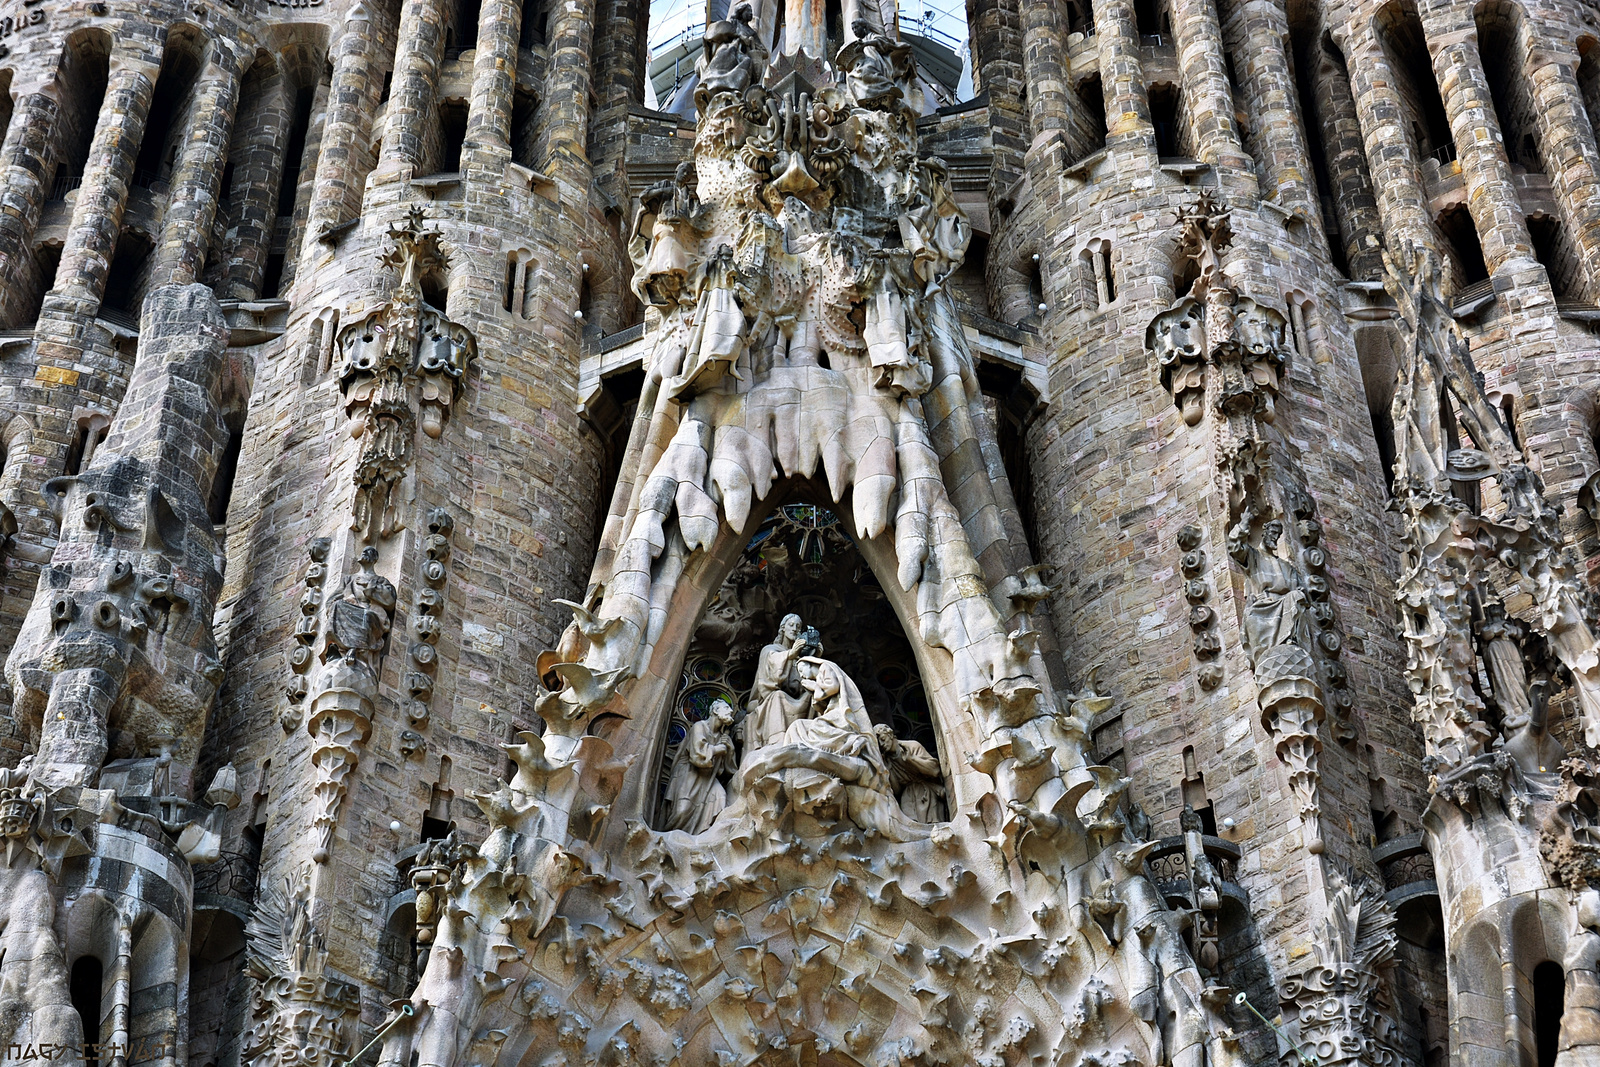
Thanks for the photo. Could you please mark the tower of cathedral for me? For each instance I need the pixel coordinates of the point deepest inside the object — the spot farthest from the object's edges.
(810, 543)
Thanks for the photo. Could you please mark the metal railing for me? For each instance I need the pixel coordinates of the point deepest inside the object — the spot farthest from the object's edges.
(1168, 866)
(1404, 861)
(232, 875)
(1445, 154)
(65, 183)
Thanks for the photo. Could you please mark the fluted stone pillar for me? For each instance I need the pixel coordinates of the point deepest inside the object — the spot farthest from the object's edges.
(416, 85)
(1567, 141)
(494, 74)
(97, 215)
(1480, 148)
(1207, 95)
(186, 233)
(26, 170)
(347, 129)
(1355, 204)
(565, 155)
(1402, 203)
(1128, 126)
(1267, 83)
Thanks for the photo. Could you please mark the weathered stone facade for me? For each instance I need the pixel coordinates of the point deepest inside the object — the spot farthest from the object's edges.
(1101, 573)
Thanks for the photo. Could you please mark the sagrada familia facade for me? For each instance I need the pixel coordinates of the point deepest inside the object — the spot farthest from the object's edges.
(817, 570)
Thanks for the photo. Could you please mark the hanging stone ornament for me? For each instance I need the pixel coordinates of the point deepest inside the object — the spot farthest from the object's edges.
(400, 365)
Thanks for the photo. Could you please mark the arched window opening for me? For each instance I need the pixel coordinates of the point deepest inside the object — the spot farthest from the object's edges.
(1461, 240)
(85, 69)
(1376, 354)
(1012, 401)
(1319, 119)
(524, 127)
(1080, 17)
(1164, 108)
(436, 822)
(452, 135)
(1147, 15)
(1549, 1002)
(803, 560)
(1501, 53)
(46, 261)
(1385, 820)
(1091, 93)
(466, 26)
(1508, 416)
(1195, 797)
(1552, 248)
(86, 988)
(163, 130)
(1589, 80)
(87, 436)
(227, 469)
(614, 413)
(295, 150)
(1412, 67)
(436, 289)
(125, 282)
(1106, 276)
(535, 23)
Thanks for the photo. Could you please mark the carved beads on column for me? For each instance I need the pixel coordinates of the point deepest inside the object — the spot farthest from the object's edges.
(426, 626)
(1202, 617)
(306, 629)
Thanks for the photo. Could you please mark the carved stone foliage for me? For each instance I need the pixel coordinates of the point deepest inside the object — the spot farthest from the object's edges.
(400, 365)
(1450, 544)
(300, 1014)
(1344, 1004)
(344, 690)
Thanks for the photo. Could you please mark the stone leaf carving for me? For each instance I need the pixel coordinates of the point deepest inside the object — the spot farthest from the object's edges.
(1345, 1003)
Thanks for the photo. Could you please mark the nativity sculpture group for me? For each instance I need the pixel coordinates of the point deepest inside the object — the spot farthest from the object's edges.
(825, 893)
(807, 715)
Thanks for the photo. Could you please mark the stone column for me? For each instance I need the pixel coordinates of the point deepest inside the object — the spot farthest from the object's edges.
(996, 45)
(565, 156)
(619, 73)
(1270, 94)
(97, 216)
(257, 157)
(1206, 93)
(186, 233)
(416, 85)
(494, 74)
(1480, 147)
(1042, 68)
(26, 170)
(1354, 202)
(1402, 204)
(1567, 142)
(336, 196)
(1122, 79)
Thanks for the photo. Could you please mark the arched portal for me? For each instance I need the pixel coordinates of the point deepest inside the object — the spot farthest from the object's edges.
(801, 560)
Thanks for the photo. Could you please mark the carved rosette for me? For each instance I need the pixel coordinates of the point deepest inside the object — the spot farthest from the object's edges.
(400, 366)
(1202, 616)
